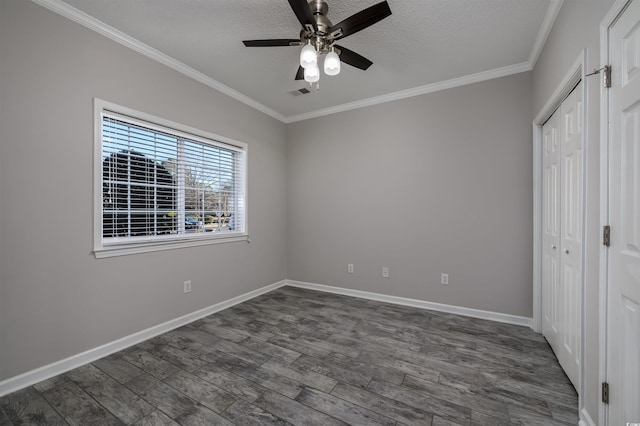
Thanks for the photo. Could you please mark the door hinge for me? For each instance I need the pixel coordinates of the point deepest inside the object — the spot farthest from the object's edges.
(606, 75)
(605, 392)
(606, 236)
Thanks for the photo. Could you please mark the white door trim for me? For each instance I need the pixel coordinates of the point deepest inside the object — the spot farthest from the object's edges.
(575, 73)
(616, 10)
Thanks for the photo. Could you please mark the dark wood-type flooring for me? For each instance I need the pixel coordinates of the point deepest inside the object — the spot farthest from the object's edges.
(302, 357)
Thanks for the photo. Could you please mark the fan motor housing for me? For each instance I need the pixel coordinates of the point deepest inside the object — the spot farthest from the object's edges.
(319, 38)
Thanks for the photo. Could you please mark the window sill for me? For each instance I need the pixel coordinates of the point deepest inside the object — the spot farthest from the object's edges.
(147, 247)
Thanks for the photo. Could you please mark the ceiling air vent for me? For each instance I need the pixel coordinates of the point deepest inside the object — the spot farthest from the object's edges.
(299, 92)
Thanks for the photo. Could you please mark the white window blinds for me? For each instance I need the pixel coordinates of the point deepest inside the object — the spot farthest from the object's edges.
(159, 183)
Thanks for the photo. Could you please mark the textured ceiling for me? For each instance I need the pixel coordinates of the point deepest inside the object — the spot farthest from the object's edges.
(423, 42)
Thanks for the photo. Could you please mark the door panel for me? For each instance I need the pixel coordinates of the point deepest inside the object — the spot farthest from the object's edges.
(629, 359)
(571, 230)
(623, 281)
(562, 232)
(630, 226)
(551, 230)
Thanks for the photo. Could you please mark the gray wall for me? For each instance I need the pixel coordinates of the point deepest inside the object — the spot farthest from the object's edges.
(56, 299)
(438, 183)
(431, 184)
(577, 28)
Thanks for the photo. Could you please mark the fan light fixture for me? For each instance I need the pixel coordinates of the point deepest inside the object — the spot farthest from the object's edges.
(309, 61)
(308, 56)
(312, 74)
(332, 63)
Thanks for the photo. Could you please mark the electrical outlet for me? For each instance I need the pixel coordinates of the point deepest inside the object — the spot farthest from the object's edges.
(444, 279)
(187, 286)
(350, 268)
(385, 272)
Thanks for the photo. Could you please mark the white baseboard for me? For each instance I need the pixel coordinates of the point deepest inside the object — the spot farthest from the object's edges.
(29, 378)
(585, 419)
(451, 309)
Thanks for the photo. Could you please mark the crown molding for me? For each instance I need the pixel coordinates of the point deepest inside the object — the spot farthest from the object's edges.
(538, 45)
(416, 91)
(545, 30)
(100, 27)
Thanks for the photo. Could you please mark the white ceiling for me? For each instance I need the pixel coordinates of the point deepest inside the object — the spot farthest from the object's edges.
(425, 45)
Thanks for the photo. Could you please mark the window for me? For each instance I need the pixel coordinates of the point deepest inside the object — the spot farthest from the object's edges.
(162, 185)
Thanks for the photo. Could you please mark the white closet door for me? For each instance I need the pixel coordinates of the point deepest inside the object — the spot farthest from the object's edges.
(562, 232)
(551, 230)
(568, 352)
(623, 343)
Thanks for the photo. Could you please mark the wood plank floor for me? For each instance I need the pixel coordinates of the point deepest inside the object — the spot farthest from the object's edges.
(301, 357)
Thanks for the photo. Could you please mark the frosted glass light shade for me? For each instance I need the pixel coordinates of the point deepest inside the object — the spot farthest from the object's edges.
(312, 74)
(332, 64)
(308, 57)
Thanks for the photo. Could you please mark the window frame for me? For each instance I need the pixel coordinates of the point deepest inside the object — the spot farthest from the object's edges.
(127, 246)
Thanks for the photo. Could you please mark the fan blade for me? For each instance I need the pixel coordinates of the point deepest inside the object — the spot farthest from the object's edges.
(303, 13)
(360, 20)
(300, 73)
(272, 42)
(354, 59)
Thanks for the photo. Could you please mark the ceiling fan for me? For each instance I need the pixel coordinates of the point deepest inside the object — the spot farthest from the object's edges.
(318, 35)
